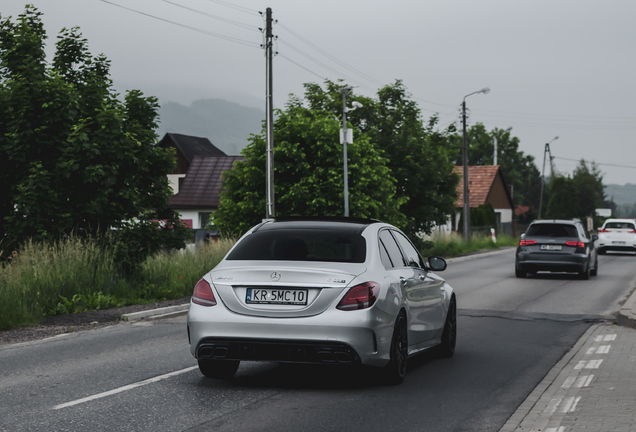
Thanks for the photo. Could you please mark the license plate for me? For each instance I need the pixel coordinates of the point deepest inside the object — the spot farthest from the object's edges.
(276, 296)
(551, 247)
(619, 242)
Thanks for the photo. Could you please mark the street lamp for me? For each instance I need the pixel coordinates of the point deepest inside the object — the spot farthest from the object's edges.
(485, 90)
(494, 162)
(546, 150)
(344, 139)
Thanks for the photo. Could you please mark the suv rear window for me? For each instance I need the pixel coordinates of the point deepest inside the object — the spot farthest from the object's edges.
(301, 245)
(552, 230)
(620, 225)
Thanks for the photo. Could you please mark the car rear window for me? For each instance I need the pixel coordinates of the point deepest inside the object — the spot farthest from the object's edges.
(552, 230)
(620, 225)
(301, 245)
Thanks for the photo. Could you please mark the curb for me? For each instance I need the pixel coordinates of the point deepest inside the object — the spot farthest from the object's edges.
(626, 316)
(159, 313)
(476, 255)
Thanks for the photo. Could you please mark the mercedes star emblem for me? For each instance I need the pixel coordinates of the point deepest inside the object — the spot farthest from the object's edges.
(275, 276)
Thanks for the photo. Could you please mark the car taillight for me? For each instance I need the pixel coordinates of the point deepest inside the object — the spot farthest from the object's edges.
(578, 244)
(605, 230)
(203, 295)
(632, 231)
(360, 297)
(527, 242)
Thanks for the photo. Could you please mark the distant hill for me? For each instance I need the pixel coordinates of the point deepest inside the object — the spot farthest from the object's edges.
(621, 194)
(226, 124)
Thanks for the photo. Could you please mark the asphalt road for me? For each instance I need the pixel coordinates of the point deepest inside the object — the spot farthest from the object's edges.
(511, 332)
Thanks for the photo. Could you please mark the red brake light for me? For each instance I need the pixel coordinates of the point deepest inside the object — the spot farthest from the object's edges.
(203, 295)
(578, 244)
(605, 230)
(360, 297)
(632, 231)
(527, 242)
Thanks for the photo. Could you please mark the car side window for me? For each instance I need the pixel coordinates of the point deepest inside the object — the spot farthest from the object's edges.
(412, 256)
(392, 249)
(384, 256)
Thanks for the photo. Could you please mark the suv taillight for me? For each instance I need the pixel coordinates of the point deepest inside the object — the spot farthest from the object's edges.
(578, 244)
(203, 295)
(360, 297)
(604, 230)
(527, 242)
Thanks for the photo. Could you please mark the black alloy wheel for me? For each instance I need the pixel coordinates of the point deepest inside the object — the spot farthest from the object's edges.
(396, 369)
(449, 336)
(219, 369)
(520, 273)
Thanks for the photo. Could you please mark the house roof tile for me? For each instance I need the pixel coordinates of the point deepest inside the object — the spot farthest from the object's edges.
(480, 182)
(191, 146)
(202, 184)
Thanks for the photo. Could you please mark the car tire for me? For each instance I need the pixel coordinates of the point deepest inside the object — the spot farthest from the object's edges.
(520, 273)
(594, 272)
(219, 369)
(449, 336)
(395, 371)
(585, 274)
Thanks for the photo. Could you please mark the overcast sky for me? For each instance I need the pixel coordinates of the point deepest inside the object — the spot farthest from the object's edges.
(555, 68)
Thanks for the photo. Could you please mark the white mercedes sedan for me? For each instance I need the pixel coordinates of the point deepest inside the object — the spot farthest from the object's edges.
(343, 291)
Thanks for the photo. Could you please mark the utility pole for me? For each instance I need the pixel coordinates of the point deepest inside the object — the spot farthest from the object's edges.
(465, 160)
(269, 117)
(546, 150)
(344, 146)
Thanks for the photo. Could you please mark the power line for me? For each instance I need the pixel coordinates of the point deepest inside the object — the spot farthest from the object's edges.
(596, 163)
(220, 36)
(237, 7)
(216, 17)
(304, 54)
(300, 66)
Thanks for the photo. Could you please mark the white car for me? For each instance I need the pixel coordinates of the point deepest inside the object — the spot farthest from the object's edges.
(344, 291)
(617, 235)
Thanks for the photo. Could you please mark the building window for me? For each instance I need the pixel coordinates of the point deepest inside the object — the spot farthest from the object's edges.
(204, 219)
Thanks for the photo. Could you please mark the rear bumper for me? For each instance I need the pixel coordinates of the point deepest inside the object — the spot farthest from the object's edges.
(316, 352)
(533, 262)
(618, 248)
(334, 336)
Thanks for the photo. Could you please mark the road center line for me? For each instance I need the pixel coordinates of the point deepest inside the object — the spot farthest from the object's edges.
(124, 388)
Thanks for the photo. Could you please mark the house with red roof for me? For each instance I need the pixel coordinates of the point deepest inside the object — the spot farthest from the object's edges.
(197, 178)
(486, 184)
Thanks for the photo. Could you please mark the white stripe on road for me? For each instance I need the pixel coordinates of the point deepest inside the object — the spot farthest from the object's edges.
(577, 382)
(605, 338)
(560, 429)
(569, 404)
(588, 364)
(603, 349)
(124, 388)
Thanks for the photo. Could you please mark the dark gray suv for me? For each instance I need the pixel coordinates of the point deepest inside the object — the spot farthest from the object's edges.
(556, 246)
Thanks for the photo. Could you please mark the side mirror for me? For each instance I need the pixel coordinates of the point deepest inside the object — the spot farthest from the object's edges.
(594, 237)
(437, 263)
(523, 235)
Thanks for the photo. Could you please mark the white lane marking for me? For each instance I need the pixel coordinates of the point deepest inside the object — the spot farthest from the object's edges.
(568, 404)
(568, 382)
(605, 338)
(588, 364)
(576, 401)
(124, 388)
(603, 349)
(560, 429)
(553, 405)
(577, 382)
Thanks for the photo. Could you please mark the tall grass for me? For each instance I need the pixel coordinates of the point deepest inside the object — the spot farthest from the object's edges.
(77, 274)
(455, 245)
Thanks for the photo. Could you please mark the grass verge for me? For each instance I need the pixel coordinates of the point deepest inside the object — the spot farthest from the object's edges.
(75, 275)
(455, 245)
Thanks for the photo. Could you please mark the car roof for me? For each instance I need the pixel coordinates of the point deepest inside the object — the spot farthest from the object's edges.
(619, 220)
(343, 224)
(555, 221)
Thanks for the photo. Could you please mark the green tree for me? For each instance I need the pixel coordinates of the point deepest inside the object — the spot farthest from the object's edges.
(578, 196)
(74, 157)
(518, 168)
(308, 174)
(419, 156)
